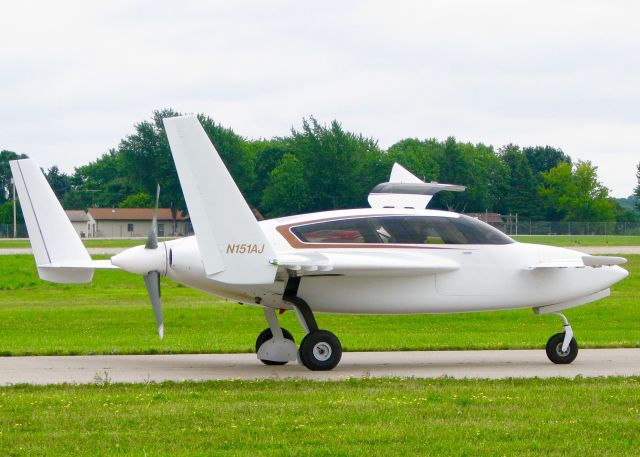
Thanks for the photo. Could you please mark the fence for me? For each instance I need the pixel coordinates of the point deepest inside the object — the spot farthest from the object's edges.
(568, 228)
(6, 231)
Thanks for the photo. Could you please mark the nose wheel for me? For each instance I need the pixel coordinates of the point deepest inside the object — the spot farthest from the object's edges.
(275, 345)
(562, 348)
(267, 335)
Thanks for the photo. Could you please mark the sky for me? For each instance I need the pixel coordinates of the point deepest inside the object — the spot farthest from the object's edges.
(76, 76)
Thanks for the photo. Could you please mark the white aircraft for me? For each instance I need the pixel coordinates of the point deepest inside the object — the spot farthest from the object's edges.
(393, 258)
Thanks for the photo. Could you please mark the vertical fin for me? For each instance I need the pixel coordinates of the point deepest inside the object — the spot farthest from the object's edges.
(400, 174)
(234, 248)
(53, 238)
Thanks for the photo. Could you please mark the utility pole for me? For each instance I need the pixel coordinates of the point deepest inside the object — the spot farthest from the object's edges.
(15, 227)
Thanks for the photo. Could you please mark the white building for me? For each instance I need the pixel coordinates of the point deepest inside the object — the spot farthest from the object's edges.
(134, 222)
(79, 221)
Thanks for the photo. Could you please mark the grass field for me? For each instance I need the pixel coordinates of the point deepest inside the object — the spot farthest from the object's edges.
(580, 240)
(581, 417)
(112, 315)
(91, 243)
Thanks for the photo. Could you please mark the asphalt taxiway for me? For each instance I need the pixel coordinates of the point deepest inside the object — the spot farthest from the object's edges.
(418, 364)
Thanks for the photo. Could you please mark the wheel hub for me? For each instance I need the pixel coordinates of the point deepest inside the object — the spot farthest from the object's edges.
(322, 351)
(561, 352)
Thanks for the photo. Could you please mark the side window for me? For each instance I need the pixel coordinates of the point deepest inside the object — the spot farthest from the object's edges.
(412, 230)
(426, 233)
(342, 231)
(477, 232)
(129, 227)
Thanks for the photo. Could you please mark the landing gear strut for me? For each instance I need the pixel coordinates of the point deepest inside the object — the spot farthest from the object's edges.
(562, 348)
(275, 345)
(320, 350)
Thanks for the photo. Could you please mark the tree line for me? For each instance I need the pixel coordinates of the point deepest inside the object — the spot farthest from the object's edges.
(320, 167)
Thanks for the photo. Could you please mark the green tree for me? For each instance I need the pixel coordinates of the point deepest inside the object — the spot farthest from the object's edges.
(417, 156)
(544, 158)
(288, 191)
(146, 161)
(340, 168)
(60, 182)
(575, 193)
(520, 195)
(267, 156)
(102, 183)
(6, 188)
(454, 164)
(236, 156)
(139, 200)
(485, 179)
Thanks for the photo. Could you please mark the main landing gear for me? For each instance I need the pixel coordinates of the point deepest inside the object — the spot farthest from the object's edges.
(320, 350)
(562, 348)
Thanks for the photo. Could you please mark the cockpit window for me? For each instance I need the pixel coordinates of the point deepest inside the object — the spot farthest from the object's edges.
(342, 231)
(402, 230)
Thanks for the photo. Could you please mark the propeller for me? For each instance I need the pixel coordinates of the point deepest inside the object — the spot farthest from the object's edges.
(152, 279)
(152, 239)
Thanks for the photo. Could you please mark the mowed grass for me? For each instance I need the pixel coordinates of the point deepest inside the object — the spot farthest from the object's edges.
(371, 417)
(90, 243)
(580, 240)
(112, 315)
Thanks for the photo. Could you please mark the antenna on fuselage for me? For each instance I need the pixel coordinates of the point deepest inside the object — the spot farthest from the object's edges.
(407, 191)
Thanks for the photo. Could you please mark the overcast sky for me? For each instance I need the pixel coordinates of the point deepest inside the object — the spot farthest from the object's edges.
(75, 76)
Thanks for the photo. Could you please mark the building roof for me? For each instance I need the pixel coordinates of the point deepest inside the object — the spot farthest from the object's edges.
(133, 214)
(77, 215)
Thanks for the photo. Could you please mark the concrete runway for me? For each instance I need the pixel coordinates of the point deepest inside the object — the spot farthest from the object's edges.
(424, 364)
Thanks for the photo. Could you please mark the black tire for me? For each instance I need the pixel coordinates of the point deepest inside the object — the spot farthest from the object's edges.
(320, 350)
(554, 349)
(267, 335)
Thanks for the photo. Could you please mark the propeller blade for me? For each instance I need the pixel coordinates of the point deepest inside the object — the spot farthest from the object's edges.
(152, 281)
(152, 239)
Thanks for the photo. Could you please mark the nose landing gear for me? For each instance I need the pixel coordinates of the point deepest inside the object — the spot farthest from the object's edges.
(275, 345)
(562, 348)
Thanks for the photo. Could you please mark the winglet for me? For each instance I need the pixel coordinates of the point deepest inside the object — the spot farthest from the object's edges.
(234, 248)
(405, 190)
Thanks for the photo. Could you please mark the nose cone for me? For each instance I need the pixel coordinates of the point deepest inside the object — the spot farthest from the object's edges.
(618, 273)
(141, 261)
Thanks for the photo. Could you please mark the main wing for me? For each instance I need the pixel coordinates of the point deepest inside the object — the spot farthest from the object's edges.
(366, 263)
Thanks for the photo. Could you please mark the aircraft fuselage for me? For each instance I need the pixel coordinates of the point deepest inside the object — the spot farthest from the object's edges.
(490, 277)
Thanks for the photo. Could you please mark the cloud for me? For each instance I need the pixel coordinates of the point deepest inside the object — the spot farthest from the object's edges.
(78, 75)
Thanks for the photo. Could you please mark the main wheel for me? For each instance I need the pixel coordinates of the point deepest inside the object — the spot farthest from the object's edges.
(320, 350)
(265, 336)
(554, 349)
